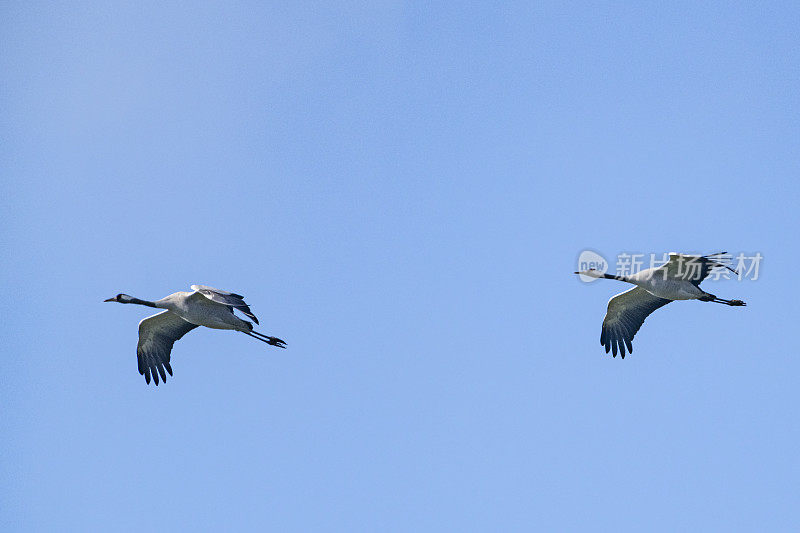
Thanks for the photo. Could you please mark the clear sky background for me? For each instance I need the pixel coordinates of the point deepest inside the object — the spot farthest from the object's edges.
(401, 192)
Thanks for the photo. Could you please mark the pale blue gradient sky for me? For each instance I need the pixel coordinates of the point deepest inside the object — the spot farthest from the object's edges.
(401, 192)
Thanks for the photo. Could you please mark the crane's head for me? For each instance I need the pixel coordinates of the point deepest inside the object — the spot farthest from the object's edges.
(121, 298)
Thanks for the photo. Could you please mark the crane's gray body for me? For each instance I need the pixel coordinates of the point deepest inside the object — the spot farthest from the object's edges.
(196, 309)
(656, 283)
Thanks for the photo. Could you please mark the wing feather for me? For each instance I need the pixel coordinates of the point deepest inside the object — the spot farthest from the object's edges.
(226, 298)
(695, 268)
(625, 315)
(157, 334)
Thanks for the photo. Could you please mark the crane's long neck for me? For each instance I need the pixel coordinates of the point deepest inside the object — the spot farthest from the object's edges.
(141, 302)
(619, 278)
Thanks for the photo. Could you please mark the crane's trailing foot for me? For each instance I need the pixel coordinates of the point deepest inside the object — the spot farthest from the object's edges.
(275, 341)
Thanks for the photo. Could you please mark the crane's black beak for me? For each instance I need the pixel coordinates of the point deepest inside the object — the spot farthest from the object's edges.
(110, 300)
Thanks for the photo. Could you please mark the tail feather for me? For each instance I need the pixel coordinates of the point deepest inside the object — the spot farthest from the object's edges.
(719, 261)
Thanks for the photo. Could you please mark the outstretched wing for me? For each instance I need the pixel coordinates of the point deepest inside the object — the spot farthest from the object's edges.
(157, 334)
(225, 298)
(695, 268)
(625, 315)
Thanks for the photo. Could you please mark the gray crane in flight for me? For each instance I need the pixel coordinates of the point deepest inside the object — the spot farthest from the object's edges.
(184, 311)
(677, 279)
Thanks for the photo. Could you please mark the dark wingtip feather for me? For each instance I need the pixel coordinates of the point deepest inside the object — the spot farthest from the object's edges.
(245, 309)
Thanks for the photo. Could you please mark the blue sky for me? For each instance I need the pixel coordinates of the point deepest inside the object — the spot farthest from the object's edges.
(401, 192)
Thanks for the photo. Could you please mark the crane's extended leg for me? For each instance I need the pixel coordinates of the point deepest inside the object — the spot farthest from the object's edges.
(729, 302)
(712, 298)
(272, 341)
